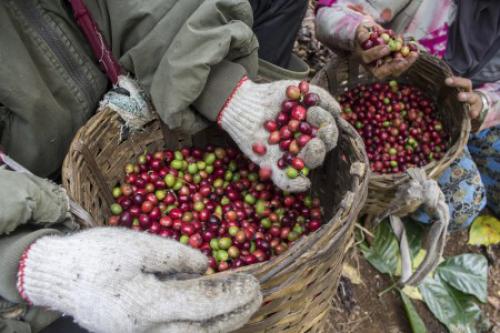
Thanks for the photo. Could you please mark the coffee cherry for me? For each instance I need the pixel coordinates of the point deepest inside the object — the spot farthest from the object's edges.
(116, 209)
(293, 92)
(259, 149)
(299, 113)
(270, 126)
(304, 87)
(265, 173)
(274, 138)
(298, 163)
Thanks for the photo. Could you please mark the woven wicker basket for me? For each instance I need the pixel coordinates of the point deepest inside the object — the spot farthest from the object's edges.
(299, 285)
(428, 74)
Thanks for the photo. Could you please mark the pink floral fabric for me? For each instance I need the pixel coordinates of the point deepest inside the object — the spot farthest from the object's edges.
(435, 42)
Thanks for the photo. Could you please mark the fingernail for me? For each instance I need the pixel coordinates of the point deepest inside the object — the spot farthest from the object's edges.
(462, 96)
(449, 80)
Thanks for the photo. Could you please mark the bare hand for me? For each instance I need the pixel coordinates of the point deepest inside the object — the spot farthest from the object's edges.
(394, 67)
(468, 96)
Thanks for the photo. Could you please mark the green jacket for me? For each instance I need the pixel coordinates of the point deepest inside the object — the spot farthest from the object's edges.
(188, 55)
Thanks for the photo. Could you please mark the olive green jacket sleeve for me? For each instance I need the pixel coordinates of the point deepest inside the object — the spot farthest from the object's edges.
(201, 60)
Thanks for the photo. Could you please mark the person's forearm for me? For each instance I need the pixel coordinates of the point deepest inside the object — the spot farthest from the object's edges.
(336, 26)
(492, 93)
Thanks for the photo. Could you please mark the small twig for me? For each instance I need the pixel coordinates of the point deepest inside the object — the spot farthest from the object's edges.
(364, 230)
(361, 240)
(390, 288)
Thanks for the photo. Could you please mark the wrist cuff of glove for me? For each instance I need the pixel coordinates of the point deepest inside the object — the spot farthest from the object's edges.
(241, 114)
(230, 99)
(39, 275)
(21, 272)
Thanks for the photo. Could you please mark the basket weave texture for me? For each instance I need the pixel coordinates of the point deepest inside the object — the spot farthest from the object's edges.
(299, 285)
(428, 74)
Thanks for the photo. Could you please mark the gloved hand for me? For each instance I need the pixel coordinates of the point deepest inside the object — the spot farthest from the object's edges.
(108, 280)
(251, 104)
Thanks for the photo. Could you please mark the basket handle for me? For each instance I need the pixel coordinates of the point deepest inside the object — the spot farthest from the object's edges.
(420, 190)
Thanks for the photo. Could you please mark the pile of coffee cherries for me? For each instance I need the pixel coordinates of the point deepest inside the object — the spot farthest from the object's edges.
(214, 200)
(399, 48)
(290, 130)
(398, 124)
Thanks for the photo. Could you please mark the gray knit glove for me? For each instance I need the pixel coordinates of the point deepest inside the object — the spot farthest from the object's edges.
(252, 104)
(117, 280)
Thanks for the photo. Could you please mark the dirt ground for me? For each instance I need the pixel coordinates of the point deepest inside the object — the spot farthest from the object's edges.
(358, 307)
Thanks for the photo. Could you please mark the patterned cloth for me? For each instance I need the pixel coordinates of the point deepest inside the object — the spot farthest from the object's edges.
(485, 150)
(473, 180)
(464, 192)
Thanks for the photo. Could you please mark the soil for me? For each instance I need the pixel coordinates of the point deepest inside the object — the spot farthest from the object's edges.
(358, 307)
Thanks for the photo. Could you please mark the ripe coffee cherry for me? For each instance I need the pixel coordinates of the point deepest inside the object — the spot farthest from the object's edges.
(304, 87)
(265, 173)
(259, 149)
(293, 92)
(274, 138)
(270, 126)
(299, 113)
(298, 163)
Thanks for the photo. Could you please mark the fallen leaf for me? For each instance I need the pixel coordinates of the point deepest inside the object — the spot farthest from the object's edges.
(352, 274)
(416, 322)
(383, 254)
(456, 310)
(468, 273)
(413, 293)
(485, 231)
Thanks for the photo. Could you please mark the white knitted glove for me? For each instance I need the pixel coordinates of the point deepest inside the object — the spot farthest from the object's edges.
(251, 105)
(117, 280)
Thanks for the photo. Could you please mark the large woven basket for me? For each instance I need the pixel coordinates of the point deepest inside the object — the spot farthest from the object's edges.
(428, 74)
(299, 285)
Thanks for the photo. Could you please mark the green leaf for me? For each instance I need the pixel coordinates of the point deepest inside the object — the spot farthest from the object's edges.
(416, 323)
(415, 232)
(384, 252)
(467, 273)
(456, 310)
(485, 231)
